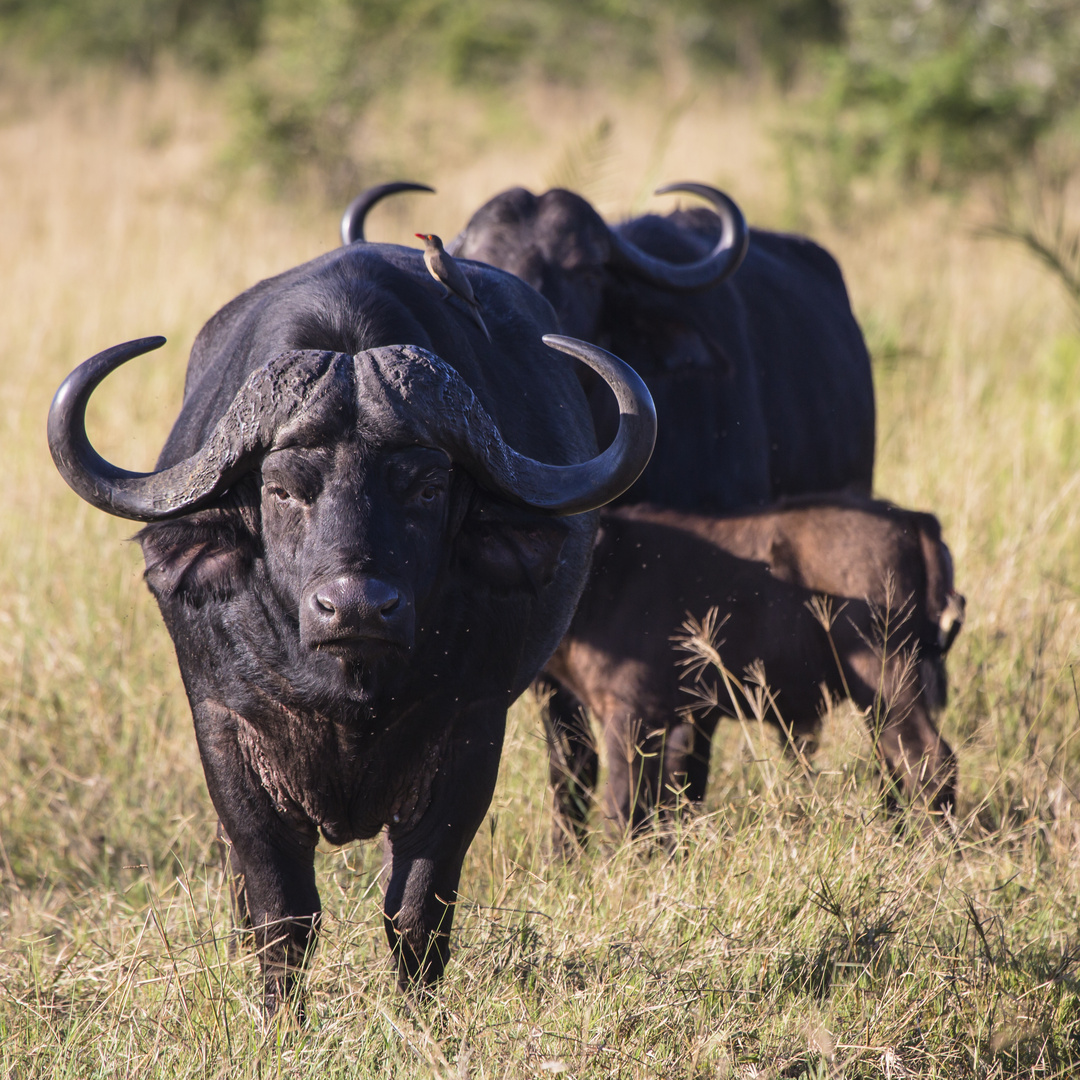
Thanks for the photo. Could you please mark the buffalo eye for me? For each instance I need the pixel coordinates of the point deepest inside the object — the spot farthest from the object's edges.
(293, 475)
(428, 490)
(419, 476)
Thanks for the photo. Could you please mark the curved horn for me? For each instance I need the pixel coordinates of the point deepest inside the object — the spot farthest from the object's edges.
(352, 221)
(292, 381)
(723, 261)
(574, 489)
(241, 435)
(422, 391)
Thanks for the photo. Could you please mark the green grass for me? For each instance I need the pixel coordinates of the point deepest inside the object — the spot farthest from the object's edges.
(790, 930)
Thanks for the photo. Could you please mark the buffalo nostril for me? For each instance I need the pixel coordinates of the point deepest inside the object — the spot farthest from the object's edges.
(354, 607)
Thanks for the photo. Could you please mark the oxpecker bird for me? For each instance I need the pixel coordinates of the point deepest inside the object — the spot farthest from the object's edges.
(449, 275)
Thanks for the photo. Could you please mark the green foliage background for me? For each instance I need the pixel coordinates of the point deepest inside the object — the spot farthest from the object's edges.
(944, 91)
(936, 91)
(303, 72)
(470, 40)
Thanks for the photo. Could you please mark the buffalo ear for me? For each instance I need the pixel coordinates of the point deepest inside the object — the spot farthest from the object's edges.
(197, 558)
(510, 548)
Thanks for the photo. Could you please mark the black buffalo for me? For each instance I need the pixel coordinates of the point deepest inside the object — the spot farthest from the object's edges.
(745, 338)
(358, 573)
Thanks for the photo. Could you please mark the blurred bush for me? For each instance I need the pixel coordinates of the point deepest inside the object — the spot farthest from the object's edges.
(305, 71)
(468, 39)
(206, 34)
(937, 93)
(944, 95)
(941, 91)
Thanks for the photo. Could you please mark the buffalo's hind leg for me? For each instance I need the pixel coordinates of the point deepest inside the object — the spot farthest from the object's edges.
(799, 740)
(687, 753)
(573, 763)
(684, 778)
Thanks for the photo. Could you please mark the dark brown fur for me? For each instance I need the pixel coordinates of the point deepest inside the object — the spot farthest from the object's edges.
(889, 580)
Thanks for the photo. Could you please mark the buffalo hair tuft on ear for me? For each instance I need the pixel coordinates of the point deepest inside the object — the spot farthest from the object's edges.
(201, 556)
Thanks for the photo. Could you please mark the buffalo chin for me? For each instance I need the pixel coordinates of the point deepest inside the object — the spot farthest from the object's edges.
(362, 670)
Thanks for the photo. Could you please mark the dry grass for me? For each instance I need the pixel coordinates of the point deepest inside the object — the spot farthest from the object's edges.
(791, 931)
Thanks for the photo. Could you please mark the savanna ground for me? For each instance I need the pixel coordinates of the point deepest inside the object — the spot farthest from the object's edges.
(792, 931)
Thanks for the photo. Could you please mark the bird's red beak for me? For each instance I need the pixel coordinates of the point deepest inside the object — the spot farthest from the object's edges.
(421, 236)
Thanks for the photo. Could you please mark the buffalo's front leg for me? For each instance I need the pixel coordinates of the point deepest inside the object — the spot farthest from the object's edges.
(271, 859)
(426, 858)
(234, 881)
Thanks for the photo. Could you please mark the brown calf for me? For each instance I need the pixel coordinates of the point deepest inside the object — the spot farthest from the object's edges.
(888, 581)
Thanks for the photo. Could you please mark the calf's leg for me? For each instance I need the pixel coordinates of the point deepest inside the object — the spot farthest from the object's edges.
(572, 762)
(635, 759)
(916, 761)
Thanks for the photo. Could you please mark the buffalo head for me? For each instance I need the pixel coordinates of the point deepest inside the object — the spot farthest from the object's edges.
(564, 249)
(559, 244)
